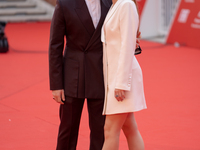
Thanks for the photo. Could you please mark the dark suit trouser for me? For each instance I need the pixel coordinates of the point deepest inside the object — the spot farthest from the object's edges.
(70, 114)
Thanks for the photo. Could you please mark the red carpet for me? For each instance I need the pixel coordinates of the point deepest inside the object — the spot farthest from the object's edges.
(29, 116)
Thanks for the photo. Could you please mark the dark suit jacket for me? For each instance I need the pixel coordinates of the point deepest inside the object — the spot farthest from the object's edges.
(79, 71)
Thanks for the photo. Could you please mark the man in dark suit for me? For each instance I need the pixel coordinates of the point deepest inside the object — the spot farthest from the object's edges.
(78, 73)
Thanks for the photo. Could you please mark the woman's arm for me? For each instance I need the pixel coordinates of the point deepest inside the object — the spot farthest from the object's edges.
(128, 29)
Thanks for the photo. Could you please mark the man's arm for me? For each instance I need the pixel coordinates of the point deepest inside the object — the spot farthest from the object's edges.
(56, 45)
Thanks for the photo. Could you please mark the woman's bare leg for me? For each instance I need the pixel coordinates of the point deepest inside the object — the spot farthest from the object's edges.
(112, 128)
(133, 136)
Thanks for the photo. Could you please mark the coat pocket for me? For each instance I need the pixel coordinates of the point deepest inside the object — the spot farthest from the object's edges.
(71, 75)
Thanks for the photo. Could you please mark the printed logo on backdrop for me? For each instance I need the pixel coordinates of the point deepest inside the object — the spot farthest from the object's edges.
(185, 29)
(183, 15)
(196, 23)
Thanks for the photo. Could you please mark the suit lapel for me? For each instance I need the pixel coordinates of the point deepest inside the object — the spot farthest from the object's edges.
(84, 15)
(104, 10)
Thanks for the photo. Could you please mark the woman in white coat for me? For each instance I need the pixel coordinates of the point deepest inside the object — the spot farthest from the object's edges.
(123, 79)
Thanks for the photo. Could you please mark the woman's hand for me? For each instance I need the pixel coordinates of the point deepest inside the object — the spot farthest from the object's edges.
(119, 94)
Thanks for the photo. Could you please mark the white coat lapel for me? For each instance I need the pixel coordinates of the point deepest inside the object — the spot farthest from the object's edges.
(111, 11)
(113, 8)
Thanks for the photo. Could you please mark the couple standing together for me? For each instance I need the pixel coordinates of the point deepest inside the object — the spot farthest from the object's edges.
(107, 75)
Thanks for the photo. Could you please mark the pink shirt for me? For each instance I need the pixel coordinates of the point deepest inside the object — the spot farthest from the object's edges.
(94, 8)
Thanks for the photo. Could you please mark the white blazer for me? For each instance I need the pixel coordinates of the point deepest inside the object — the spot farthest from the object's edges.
(121, 68)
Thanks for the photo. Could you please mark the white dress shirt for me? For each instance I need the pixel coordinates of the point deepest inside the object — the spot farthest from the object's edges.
(94, 8)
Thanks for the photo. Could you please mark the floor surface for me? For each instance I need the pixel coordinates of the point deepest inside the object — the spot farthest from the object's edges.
(29, 115)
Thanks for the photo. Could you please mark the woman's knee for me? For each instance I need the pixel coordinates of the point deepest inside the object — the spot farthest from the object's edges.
(130, 125)
(113, 125)
(110, 131)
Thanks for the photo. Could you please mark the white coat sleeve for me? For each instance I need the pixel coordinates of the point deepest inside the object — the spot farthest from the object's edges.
(128, 25)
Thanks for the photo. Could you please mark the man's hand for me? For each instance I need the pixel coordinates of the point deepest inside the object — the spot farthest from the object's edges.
(59, 96)
(138, 35)
(137, 39)
(119, 94)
